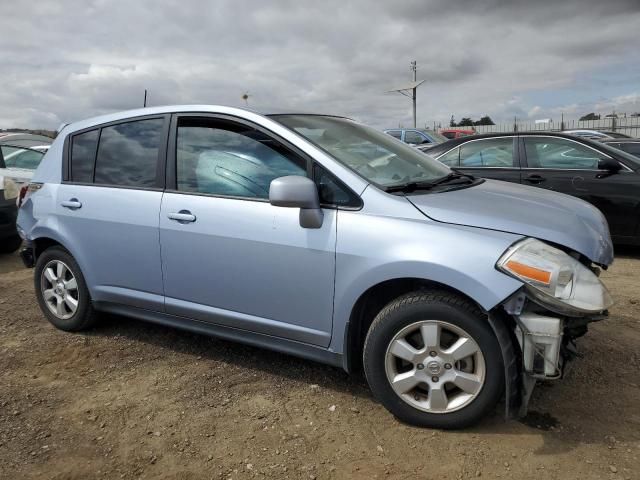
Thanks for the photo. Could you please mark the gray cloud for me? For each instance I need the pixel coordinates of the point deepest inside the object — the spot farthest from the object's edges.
(66, 60)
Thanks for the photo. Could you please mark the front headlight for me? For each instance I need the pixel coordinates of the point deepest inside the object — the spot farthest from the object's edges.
(555, 279)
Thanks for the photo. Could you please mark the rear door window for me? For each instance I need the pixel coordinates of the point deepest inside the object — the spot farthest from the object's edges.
(83, 155)
(559, 153)
(128, 153)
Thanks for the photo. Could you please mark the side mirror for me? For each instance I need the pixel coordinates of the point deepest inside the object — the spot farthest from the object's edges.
(294, 191)
(609, 164)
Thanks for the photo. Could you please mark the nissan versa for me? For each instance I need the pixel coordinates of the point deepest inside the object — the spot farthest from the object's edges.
(320, 237)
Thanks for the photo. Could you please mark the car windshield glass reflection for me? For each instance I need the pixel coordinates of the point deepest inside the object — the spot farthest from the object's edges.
(374, 155)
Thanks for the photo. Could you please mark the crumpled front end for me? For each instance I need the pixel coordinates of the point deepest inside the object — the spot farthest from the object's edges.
(561, 295)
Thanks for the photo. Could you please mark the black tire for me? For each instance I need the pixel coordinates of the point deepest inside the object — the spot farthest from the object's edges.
(11, 244)
(455, 310)
(85, 316)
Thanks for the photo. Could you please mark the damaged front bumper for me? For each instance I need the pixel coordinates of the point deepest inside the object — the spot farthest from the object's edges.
(544, 344)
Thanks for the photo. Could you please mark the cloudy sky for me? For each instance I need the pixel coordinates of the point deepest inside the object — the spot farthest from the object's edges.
(65, 60)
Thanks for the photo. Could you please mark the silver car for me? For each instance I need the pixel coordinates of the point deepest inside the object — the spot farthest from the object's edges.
(318, 237)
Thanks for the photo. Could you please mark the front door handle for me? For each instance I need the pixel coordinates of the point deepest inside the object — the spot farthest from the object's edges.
(535, 178)
(72, 204)
(183, 216)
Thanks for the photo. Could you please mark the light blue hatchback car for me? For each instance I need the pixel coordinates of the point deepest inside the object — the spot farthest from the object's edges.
(319, 237)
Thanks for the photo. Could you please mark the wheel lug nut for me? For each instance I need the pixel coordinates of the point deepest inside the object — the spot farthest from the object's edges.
(432, 353)
(447, 366)
(434, 379)
(420, 366)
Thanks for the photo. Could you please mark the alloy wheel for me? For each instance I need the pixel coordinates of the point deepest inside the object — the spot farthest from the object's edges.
(59, 289)
(435, 366)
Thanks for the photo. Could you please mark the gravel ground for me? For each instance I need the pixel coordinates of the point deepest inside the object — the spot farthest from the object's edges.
(134, 400)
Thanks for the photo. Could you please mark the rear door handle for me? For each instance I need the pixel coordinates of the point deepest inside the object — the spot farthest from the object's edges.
(72, 204)
(183, 216)
(535, 178)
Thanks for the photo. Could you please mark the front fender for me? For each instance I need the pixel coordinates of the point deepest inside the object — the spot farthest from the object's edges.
(462, 258)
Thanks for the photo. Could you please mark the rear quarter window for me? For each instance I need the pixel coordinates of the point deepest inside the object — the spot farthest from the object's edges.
(83, 154)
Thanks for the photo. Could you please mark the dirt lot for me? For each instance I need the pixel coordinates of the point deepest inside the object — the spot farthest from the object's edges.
(133, 400)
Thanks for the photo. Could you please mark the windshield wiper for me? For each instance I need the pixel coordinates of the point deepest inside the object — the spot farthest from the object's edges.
(455, 175)
(453, 178)
(409, 187)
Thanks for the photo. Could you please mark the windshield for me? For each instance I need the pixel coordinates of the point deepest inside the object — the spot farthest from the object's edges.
(376, 156)
(635, 161)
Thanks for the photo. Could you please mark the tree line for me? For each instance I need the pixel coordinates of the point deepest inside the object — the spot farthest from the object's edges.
(468, 122)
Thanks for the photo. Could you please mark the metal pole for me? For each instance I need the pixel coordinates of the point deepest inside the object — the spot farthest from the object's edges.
(414, 68)
(144, 104)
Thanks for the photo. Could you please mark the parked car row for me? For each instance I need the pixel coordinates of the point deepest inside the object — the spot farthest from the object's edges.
(426, 139)
(324, 238)
(20, 155)
(593, 171)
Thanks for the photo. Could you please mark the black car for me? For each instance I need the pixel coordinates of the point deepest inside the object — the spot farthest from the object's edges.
(629, 145)
(596, 172)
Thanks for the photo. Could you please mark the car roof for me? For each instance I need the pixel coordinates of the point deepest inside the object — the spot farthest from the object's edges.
(167, 109)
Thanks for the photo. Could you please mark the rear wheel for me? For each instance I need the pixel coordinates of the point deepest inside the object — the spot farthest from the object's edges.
(431, 358)
(11, 244)
(62, 292)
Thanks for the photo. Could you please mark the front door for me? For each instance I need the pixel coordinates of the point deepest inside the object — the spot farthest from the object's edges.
(570, 167)
(229, 257)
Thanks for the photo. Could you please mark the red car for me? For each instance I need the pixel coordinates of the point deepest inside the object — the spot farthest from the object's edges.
(456, 132)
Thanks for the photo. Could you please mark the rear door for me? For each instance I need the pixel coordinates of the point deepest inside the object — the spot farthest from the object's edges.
(571, 167)
(495, 158)
(108, 207)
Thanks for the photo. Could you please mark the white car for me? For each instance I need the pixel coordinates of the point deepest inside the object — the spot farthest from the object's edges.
(17, 165)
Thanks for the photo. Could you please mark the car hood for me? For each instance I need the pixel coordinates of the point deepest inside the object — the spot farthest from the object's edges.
(529, 211)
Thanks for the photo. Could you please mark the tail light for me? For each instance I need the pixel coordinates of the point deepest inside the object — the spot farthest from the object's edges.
(25, 191)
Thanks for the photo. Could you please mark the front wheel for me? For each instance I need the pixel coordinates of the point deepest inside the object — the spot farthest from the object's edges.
(432, 359)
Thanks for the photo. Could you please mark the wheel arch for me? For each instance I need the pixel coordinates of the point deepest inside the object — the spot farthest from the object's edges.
(43, 237)
(371, 302)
